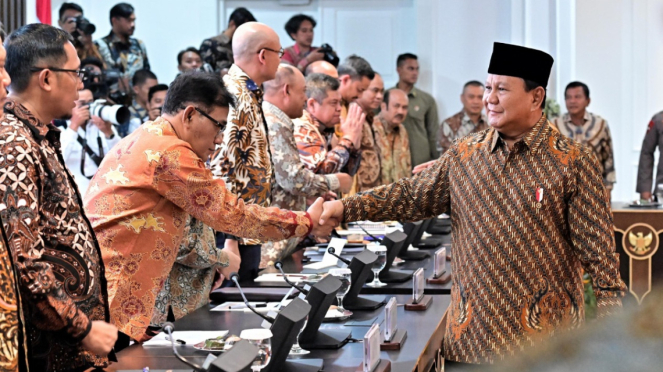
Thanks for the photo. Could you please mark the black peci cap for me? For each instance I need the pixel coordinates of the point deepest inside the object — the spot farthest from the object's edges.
(518, 61)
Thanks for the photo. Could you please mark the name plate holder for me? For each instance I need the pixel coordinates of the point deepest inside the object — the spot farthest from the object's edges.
(372, 361)
(393, 336)
(419, 301)
(440, 274)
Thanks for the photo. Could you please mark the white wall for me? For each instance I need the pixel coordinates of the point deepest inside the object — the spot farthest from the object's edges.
(615, 46)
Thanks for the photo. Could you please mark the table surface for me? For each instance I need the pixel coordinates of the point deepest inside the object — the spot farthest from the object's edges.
(624, 207)
(404, 288)
(420, 326)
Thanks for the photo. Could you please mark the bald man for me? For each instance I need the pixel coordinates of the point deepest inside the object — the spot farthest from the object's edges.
(322, 67)
(243, 160)
(391, 137)
(285, 97)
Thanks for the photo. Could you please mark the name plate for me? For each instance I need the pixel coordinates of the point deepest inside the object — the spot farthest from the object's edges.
(371, 348)
(440, 262)
(390, 317)
(418, 287)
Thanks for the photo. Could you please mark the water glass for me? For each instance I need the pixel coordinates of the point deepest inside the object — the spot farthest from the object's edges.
(262, 338)
(380, 263)
(297, 350)
(344, 275)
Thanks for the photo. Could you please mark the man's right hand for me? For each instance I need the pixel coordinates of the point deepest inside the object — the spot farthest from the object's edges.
(353, 125)
(346, 182)
(101, 338)
(231, 247)
(332, 212)
(79, 116)
(645, 196)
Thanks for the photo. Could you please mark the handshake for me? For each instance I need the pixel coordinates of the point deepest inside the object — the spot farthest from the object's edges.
(326, 216)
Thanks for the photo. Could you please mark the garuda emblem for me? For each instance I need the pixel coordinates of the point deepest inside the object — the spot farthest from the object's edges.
(640, 244)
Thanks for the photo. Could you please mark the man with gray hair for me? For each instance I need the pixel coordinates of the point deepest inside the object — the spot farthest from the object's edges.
(285, 97)
(314, 130)
(244, 160)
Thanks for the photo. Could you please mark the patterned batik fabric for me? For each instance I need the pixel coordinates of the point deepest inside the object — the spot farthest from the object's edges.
(294, 182)
(316, 152)
(56, 255)
(594, 133)
(369, 173)
(190, 281)
(126, 57)
(526, 222)
(457, 127)
(217, 52)
(139, 202)
(394, 147)
(243, 160)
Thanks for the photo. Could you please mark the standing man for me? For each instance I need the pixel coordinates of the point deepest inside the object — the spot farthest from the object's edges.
(528, 209)
(422, 122)
(369, 172)
(391, 137)
(244, 160)
(217, 51)
(589, 129)
(142, 82)
(56, 254)
(121, 51)
(653, 139)
(469, 120)
(285, 97)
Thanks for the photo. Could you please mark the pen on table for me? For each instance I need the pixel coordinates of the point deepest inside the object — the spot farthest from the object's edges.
(295, 275)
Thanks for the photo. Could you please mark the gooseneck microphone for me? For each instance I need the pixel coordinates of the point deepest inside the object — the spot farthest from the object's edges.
(168, 327)
(332, 252)
(235, 278)
(369, 234)
(279, 265)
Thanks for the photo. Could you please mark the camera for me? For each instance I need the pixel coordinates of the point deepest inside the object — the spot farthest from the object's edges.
(99, 84)
(116, 114)
(329, 54)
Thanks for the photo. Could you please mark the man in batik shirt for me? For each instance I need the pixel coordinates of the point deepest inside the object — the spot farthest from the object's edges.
(589, 129)
(314, 131)
(370, 171)
(285, 97)
(469, 120)
(153, 180)
(391, 137)
(528, 215)
(56, 255)
(244, 160)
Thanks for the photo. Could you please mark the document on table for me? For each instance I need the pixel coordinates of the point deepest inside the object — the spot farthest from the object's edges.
(190, 337)
(328, 260)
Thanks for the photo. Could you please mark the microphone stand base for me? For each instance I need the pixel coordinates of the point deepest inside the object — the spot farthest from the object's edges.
(365, 303)
(326, 339)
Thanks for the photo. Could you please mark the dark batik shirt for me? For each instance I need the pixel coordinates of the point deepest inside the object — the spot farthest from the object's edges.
(56, 255)
(526, 221)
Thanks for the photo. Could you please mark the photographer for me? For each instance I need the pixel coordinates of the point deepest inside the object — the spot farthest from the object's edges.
(86, 140)
(72, 21)
(300, 29)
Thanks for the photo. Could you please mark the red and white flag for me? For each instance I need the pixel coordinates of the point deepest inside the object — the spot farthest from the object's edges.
(539, 195)
(44, 11)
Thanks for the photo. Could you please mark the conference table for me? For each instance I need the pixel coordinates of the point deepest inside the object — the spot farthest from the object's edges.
(425, 330)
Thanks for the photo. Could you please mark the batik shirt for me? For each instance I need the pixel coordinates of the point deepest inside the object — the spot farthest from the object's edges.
(243, 160)
(394, 147)
(316, 152)
(370, 170)
(139, 201)
(217, 52)
(295, 57)
(526, 221)
(457, 127)
(594, 133)
(125, 57)
(56, 255)
(294, 182)
(190, 281)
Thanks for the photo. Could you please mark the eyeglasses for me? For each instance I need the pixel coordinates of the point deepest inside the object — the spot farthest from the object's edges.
(279, 52)
(82, 74)
(221, 127)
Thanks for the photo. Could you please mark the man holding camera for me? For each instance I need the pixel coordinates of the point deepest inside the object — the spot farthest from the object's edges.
(72, 21)
(85, 141)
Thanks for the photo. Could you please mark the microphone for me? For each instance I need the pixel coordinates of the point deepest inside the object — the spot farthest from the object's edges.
(279, 265)
(369, 234)
(235, 278)
(332, 251)
(168, 327)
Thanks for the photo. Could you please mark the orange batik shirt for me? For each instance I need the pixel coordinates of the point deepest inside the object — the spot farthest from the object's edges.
(138, 203)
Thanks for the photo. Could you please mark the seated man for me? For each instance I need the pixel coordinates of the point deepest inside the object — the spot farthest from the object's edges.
(189, 59)
(155, 99)
(86, 141)
(391, 137)
(141, 197)
(369, 173)
(321, 67)
(469, 120)
(315, 129)
(142, 81)
(284, 100)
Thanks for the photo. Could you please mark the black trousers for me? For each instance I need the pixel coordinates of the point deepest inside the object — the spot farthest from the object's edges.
(250, 254)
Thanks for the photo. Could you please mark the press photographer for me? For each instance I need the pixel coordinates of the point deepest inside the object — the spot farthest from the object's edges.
(87, 138)
(81, 29)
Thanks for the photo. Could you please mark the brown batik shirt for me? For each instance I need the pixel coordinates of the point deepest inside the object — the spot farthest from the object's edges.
(56, 255)
(526, 221)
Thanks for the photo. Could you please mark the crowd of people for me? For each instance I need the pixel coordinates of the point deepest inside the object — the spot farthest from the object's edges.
(113, 224)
